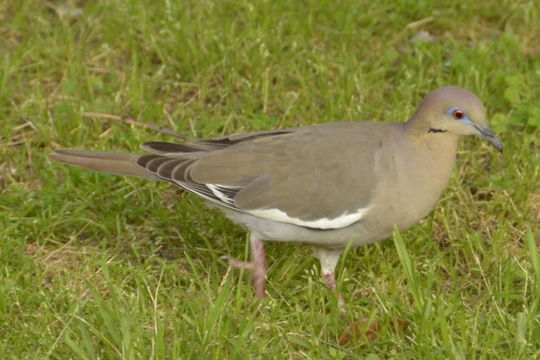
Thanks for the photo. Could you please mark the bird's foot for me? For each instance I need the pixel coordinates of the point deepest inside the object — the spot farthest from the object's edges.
(330, 280)
(257, 265)
(239, 264)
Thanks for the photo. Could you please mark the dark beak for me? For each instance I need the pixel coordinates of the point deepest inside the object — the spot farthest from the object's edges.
(486, 133)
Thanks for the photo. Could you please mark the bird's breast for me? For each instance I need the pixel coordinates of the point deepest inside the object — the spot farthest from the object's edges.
(411, 179)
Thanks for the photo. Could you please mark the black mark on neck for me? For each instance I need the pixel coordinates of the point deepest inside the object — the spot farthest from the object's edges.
(431, 130)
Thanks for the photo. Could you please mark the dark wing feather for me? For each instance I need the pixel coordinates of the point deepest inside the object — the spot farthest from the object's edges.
(171, 162)
(207, 145)
(175, 168)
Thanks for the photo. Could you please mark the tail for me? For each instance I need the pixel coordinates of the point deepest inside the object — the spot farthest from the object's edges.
(112, 163)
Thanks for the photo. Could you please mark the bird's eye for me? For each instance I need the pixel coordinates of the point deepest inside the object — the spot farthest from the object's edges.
(458, 114)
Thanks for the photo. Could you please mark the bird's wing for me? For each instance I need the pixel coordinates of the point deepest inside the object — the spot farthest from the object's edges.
(319, 176)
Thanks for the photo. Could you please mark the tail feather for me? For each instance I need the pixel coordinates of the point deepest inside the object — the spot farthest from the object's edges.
(112, 163)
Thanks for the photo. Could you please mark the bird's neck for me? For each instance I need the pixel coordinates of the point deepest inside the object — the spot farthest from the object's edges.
(424, 135)
(418, 126)
(421, 164)
(432, 151)
(439, 142)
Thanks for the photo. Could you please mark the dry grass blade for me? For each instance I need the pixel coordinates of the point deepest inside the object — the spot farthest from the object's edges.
(132, 121)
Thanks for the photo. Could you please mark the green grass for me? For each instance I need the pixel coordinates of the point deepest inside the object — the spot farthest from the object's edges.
(95, 266)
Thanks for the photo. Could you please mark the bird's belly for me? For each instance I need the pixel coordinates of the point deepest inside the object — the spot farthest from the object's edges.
(278, 231)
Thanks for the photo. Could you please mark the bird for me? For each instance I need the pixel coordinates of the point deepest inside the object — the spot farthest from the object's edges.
(328, 186)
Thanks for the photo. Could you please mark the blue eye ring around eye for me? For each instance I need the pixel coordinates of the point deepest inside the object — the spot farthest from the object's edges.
(458, 114)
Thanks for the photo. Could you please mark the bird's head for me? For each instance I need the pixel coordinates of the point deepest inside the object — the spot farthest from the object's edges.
(454, 110)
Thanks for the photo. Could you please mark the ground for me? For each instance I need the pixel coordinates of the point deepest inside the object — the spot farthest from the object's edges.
(96, 266)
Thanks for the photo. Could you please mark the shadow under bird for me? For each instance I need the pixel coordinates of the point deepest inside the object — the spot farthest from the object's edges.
(328, 186)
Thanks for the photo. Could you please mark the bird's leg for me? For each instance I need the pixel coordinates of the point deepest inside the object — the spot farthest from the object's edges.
(257, 265)
(330, 280)
(329, 260)
(258, 258)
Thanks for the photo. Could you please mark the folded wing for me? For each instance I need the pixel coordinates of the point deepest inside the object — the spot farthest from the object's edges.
(293, 176)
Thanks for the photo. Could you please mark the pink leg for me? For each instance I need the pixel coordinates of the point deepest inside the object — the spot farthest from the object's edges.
(258, 258)
(329, 259)
(257, 265)
(330, 280)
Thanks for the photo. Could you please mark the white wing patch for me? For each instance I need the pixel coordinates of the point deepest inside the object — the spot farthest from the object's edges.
(220, 192)
(225, 195)
(339, 222)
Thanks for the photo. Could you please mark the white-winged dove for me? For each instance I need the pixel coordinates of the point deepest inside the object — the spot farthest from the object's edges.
(326, 185)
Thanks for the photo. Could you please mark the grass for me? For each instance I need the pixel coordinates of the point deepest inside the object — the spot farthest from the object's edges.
(101, 267)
